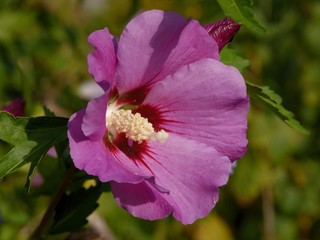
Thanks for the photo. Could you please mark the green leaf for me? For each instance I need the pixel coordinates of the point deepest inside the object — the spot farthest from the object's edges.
(52, 178)
(31, 137)
(33, 166)
(230, 57)
(241, 12)
(273, 101)
(73, 210)
(48, 112)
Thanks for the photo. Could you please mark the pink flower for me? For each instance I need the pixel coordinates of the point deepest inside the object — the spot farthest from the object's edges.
(37, 180)
(15, 107)
(170, 123)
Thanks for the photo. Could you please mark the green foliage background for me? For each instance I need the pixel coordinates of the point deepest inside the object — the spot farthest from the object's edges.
(274, 192)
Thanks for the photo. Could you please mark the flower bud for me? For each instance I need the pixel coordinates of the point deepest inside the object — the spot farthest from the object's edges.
(222, 31)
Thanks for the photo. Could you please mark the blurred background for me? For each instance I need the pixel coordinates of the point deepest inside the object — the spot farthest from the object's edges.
(274, 192)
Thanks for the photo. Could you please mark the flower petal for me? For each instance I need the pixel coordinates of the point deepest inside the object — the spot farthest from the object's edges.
(141, 200)
(191, 172)
(131, 155)
(94, 120)
(102, 61)
(93, 157)
(205, 101)
(156, 44)
(186, 174)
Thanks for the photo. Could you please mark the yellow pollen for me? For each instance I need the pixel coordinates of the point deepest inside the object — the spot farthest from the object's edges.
(134, 126)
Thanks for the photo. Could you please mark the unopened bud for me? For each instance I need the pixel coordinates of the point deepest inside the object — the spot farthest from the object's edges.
(223, 31)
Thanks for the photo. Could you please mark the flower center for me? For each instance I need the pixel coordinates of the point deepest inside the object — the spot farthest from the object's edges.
(134, 126)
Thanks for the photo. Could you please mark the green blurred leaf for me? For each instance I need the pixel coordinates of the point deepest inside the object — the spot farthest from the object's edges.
(13, 22)
(273, 101)
(249, 177)
(230, 57)
(212, 227)
(73, 210)
(286, 227)
(241, 12)
(31, 137)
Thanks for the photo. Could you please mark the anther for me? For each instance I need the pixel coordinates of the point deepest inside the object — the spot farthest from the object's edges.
(134, 126)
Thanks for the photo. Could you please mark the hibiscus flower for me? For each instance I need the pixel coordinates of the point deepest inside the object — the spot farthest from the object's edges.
(171, 121)
(15, 107)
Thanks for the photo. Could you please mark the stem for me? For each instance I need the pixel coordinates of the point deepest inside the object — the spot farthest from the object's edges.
(268, 214)
(39, 232)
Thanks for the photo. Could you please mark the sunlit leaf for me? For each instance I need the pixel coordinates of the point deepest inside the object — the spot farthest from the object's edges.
(31, 137)
(241, 12)
(230, 57)
(273, 101)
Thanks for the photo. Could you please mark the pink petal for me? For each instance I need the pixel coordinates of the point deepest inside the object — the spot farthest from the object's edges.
(102, 61)
(191, 172)
(156, 44)
(131, 155)
(205, 101)
(94, 120)
(37, 180)
(186, 174)
(141, 200)
(93, 157)
(52, 153)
